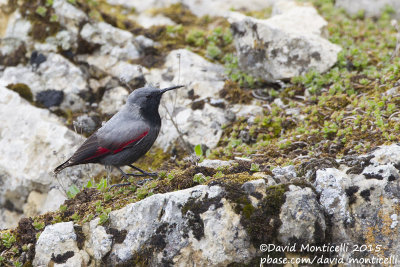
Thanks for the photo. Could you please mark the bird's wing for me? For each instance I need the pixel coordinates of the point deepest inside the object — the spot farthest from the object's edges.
(109, 140)
(117, 138)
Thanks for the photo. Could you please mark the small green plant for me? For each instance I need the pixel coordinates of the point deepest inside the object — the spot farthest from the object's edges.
(17, 264)
(38, 225)
(102, 185)
(198, 150)
(104, 216)
(49, 2)
(41, 11)
(63, 208)
(88, 218)
(141, 193)
(75, 217)
(196, 38)
(213, 51)
(199, 178)
(73, 190)
(218, 175)
(54, 18)
(255, 167)
(8, 239)
(173, 30)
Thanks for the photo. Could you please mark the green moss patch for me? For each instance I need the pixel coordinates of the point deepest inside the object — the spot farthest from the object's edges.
(22, 89)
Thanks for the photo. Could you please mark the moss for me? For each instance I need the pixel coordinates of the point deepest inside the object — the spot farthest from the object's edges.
(22, 89)
(41, 15)
(234, 94)
(263, 224)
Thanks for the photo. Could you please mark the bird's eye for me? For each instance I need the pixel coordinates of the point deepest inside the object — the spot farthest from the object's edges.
(148, 96)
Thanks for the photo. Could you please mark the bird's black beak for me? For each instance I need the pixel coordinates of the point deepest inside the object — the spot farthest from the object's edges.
(162, 91)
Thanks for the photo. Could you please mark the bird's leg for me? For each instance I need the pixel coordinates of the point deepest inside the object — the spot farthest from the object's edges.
(126, 177)
(142, 171)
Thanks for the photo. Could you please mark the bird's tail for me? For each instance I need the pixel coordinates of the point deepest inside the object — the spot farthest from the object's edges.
(62, 166)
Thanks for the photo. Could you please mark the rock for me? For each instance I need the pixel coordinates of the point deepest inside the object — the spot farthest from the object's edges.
(12, 51)
(284, 46)
(284, 174)
(174, 231)
(58, 243)
(112, 41)
(50, 98)
(18, 27)
(215, 163)
(56, 73)
(68, 15)
(201, 225)
(26, 151)
(113, 100)
(371, 8)
(54, 199)
(85, 124)
(148, 21)
(302, 217)
(201, 78)
(33, 203)
(131, 74)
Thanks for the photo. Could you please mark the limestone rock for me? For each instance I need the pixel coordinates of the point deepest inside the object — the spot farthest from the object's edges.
(29, 137)
(58, 244)
(203, 80)
(56, 73)
(302, 217)
(284, 46)
(371, 8)
(112, 41)
(113, 100)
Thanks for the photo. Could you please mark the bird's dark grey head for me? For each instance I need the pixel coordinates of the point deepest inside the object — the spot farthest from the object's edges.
(148, 98)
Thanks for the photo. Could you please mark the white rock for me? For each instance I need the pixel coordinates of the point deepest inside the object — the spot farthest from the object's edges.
(100, 242)
(221, 241)
(371, 8)
(33, 203)
(55, 73)
(284, 174)
(215, 163)
(54, 199)
(68, 15)
(147, 21)
(59, 239)
(386, 155)
(28, 138)
(283, 46)
(113, 100)
(18, 27)
(114, 42)
(299, 215)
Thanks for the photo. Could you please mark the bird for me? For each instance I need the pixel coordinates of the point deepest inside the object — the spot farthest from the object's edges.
(127, 136)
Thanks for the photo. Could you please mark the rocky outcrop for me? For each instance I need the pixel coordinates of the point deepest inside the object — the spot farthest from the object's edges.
(27, 131)
(286, 45)
(353, 203)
